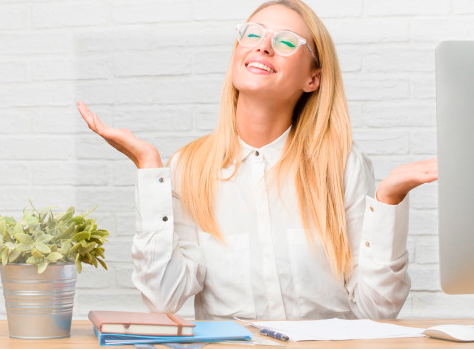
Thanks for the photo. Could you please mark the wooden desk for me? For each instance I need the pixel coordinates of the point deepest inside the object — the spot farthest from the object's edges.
(82, 337)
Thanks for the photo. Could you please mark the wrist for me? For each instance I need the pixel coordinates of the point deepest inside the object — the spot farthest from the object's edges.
(150, 163)
(382, 196)
(386, 197)
(389, 200)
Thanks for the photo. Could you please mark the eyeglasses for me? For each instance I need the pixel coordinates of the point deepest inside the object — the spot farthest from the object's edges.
(284, 42)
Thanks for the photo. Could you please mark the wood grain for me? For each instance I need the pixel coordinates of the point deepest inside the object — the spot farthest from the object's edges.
(82, 337)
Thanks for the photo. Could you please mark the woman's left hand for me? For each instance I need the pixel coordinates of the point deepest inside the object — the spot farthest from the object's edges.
(393, 189)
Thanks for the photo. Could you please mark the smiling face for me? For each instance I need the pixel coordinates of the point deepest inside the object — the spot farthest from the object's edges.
(260, 71)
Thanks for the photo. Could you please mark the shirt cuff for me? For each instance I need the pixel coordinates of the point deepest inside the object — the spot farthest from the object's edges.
(153, 199)
(385, 229)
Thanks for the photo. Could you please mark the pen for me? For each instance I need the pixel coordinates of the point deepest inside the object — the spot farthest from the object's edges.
(274, 334)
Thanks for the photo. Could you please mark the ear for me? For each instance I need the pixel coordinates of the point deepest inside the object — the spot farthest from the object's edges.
(313, 83)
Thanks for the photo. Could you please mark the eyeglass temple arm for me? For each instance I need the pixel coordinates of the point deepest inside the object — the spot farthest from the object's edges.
(311, 51)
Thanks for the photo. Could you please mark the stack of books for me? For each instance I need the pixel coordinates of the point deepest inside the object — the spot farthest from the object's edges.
(119, 328)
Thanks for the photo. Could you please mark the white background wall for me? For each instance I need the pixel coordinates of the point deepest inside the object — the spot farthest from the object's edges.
(156, 67)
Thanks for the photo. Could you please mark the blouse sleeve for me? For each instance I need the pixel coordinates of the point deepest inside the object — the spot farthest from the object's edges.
(379, 284)
(168, 264)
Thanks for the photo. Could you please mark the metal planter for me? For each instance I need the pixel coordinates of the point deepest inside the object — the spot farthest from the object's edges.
(39, 306)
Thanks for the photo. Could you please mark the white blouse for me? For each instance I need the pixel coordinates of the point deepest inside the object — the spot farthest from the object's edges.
(267, 270)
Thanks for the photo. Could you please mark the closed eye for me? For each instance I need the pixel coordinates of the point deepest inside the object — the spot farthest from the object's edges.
(253, 36)
(289, 44)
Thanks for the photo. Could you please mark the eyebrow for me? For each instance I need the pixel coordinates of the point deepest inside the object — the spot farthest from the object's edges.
(263, 25)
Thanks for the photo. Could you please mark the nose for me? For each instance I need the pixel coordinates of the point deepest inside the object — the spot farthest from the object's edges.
(265, 46)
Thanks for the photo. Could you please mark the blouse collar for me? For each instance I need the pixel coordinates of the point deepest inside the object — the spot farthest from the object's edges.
(271, 152)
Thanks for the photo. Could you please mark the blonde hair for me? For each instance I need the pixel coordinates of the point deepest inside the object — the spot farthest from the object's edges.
(315, 152)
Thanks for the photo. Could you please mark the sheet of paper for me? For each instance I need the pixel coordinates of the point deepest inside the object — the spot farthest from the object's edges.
(338, 329)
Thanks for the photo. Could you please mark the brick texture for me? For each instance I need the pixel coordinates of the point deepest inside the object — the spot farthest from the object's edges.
(157, 67)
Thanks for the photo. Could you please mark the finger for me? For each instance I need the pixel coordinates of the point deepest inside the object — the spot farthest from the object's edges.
(102, 129)
(427, 165)
(432, 162)
(87, 119)
(431, 177)
(85, 112)
(93, 120)
(427, 177)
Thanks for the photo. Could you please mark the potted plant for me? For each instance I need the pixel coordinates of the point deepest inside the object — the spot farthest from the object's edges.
(40, 257)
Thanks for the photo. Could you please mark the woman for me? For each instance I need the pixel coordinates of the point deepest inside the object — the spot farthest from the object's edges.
(272, 216)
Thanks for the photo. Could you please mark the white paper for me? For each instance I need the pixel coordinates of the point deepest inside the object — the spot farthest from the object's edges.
(338, 329)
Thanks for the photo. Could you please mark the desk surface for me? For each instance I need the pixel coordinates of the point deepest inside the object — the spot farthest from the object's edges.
(82, 337)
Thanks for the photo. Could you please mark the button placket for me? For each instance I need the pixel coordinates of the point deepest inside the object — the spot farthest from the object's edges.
(270, 273)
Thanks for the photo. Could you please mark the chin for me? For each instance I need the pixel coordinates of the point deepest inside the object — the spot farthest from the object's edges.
(256, 89)
(253, 85)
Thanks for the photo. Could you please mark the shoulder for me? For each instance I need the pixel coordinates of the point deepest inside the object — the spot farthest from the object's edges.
(358, 169)
(186, 154)
(173, 161)
(186, 161)
(357, 159)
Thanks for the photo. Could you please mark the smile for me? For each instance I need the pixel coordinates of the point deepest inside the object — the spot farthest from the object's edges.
(261, 66)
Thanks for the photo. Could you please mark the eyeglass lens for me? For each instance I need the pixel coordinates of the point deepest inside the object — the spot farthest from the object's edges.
(284, 42)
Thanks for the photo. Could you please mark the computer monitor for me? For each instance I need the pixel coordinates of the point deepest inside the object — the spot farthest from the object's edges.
(455, 129)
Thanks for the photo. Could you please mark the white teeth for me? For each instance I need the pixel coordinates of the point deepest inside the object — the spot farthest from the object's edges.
(261, 66)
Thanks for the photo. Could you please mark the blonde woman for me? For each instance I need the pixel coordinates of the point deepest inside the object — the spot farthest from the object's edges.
(274, 215)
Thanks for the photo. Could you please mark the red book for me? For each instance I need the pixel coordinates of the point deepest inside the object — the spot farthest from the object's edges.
(155, 324)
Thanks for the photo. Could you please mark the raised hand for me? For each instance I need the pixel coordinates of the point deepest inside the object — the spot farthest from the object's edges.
(404, 178)
(143, 154)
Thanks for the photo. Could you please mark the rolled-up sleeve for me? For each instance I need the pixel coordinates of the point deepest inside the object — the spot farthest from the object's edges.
(168, 264)
(379, 284)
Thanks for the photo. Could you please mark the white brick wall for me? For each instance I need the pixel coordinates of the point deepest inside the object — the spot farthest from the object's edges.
(156, 67)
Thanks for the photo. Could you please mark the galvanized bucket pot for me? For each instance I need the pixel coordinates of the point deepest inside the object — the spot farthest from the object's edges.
(39, 305)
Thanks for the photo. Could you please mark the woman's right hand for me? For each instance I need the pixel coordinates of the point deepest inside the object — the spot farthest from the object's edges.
(143, 154)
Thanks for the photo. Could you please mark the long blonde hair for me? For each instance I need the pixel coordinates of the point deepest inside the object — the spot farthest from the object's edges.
(316, 151)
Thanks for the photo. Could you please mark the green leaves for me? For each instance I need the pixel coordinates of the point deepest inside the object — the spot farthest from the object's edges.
(22, 237)
(3, 228)
(43, 237)
(29, 218)
(42, 266)
(53, 257)
(43, 248)
(34, 260)
(5, 254)
(13, 256)
(10, 245)
(78, 264)
(65, 247)
(81, 236)
(22, 247)
(18, 229)
(68, 231)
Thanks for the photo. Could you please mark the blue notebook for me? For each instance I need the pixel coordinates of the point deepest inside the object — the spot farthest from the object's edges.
(205, 331)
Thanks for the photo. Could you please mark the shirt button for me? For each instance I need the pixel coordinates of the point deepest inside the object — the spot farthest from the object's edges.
(367, 244)
(371, 208)
(257, 153)
(161, 180)
(165, 218)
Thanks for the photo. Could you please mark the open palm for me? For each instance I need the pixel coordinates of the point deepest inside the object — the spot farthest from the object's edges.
(406, 177)
(143, 154)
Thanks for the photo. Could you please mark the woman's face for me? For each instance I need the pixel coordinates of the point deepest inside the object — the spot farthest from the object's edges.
(289, 75)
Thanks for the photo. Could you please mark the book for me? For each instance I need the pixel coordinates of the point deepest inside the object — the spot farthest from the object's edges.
(205, 331)
(126, 322)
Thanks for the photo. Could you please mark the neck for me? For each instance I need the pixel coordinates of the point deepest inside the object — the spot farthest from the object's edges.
(261, 122)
